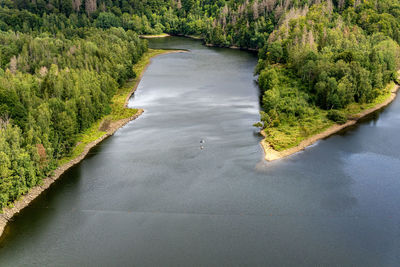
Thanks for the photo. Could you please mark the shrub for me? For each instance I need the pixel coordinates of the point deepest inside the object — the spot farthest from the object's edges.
(337, 116)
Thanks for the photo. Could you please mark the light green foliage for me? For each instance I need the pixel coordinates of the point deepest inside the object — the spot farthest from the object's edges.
(53, 90)
(64, 64)
(317, 61)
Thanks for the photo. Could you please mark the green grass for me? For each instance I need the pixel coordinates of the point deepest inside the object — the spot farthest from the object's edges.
(290, 134)
(118, 101)
(355, 108)
(118, 110)
(84, 138)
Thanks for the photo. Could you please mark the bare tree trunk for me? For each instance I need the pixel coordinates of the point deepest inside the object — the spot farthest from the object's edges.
(90, 6)
(76, 5)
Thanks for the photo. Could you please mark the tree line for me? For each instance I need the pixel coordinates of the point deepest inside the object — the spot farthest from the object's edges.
(62, 61)
(51, 89)
(334, 61)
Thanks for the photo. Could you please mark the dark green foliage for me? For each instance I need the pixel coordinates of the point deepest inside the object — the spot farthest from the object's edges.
(334, 63)
(337, 116)
(52, 89)
(107, 20)
(61, 62)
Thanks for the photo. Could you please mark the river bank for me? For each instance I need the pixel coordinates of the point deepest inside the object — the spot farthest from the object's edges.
(270, 154)
(112, 127)
(151, 36)
(195, 37)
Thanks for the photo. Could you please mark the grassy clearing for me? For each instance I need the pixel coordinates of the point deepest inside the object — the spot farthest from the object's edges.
(118, 109)
(88, 136)
(290, 134)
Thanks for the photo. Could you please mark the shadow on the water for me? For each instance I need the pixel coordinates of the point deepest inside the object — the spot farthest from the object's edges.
(260, 92)
(149, 195)
(68, 182)
(373, 117)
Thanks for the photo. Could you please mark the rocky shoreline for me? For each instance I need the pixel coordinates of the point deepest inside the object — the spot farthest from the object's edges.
(34, 192)
(10, 212)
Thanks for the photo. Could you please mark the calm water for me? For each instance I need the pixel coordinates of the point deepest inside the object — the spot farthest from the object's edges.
(150, 196)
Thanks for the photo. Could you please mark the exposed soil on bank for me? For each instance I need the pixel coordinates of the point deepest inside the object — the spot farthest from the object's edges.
(154, 36)
(271, 154)
(9, 213)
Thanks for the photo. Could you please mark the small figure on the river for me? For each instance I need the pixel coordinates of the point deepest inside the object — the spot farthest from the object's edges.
(202, 142)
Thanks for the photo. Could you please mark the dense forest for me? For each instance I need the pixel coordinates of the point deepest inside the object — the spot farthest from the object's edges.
(54, 85)
(326, 62)
(62, 61)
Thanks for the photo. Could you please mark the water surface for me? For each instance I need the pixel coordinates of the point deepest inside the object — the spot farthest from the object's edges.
(152, 196)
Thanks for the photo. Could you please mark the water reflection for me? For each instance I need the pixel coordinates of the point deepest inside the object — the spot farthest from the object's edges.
(149, 196)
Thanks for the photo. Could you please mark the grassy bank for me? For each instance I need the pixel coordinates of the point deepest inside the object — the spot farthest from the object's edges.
(289, 135)
(118, 117)
(119, 110)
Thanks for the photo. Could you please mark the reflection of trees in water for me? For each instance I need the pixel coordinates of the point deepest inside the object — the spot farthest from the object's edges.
(314, 178)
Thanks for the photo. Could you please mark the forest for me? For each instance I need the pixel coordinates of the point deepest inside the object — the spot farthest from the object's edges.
(61, 63)
(53, 87)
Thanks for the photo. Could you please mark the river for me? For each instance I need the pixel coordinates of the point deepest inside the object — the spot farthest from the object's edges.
(153, 195)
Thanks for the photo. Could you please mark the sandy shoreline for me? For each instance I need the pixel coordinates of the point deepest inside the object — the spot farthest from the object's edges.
(271, 154)
(154, 36)
(34, 192)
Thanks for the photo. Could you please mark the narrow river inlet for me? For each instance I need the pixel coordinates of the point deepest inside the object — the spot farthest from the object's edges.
(186, 184)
